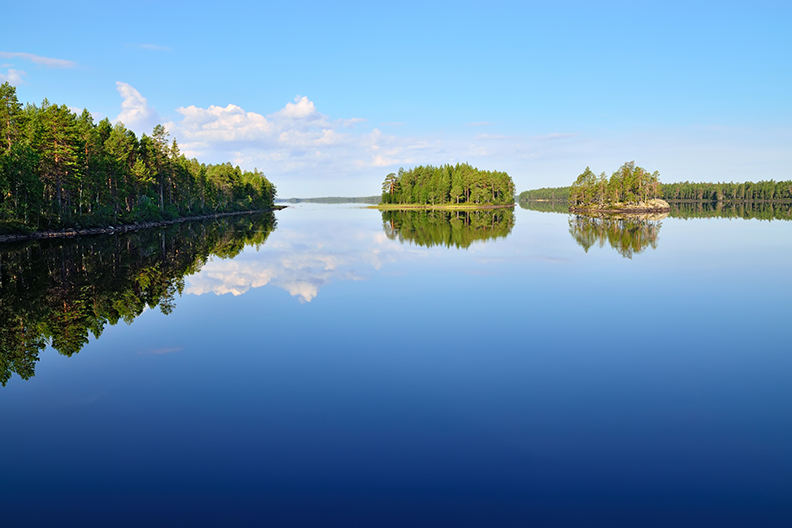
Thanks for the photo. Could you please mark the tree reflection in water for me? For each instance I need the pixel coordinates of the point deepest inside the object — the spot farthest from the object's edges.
(58, 291)
(447, 228)
(627, 234)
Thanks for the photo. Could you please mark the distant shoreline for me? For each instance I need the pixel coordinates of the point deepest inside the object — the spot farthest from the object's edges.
(123, 228)
(444, 207)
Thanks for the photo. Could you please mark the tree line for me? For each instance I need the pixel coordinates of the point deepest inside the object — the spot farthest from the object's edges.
(448, 184)
(761, 191)
(457, 229)
(545, 194)
(60, 169)
(59, 291)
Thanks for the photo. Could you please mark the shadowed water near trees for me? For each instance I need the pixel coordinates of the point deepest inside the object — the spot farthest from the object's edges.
(457, 229)
(690, 210)
(628, 234)
(57, 292)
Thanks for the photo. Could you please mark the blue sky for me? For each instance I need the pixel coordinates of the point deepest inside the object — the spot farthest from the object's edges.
(327, 98)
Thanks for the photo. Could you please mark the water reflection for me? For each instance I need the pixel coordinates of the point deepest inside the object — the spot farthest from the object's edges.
(744, 210)
(59, 291)
(546, 207)
(447, 228)
(628, 234)
(689, 210)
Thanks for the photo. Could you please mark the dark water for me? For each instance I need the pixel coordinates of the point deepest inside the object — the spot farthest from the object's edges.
(348, 368)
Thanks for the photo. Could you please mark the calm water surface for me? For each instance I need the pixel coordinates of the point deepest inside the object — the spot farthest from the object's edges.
(350, 370)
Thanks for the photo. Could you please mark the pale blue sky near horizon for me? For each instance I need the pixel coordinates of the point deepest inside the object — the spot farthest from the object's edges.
(328, 98)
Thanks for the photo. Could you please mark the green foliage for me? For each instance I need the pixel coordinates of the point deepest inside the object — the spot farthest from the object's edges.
(761, 191)
(629, 184)
(447, 228)
(59, 169)
(60, 291)
(546, 194)
(449, 184)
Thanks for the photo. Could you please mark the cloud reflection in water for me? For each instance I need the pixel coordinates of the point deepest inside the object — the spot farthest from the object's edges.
(299, 262)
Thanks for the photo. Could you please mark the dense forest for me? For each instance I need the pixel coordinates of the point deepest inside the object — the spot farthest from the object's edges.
(628, 235)
(457, 229)
(546, 194)
(59, 169)
(449, 184)
(761, 191)
(59, 291)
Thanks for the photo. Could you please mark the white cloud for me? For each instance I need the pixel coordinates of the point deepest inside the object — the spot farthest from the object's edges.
(302, 108)
(13, 77)
(38, 59)
(136, 113)
(307, 153)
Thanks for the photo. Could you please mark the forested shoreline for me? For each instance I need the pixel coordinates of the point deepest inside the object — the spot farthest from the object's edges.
(745, 192)
(61, 170)
(459, 184)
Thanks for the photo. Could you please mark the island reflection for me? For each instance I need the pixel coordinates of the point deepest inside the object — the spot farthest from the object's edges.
(628, 234)
(457, 229)
(57, 292)
(690, 210)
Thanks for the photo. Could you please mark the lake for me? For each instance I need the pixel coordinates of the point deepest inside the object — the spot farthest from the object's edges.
(337, 366)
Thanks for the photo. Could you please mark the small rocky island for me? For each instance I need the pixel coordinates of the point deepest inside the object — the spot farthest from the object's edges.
(629, 190)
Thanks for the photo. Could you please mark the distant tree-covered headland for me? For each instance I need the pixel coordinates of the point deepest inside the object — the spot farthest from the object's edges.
(546, 194)
(58, 292)
(630, 188)
(449, 185)
(457, 229)
(59, 169)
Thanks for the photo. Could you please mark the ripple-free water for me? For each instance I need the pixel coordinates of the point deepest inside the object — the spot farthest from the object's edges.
(350, 370)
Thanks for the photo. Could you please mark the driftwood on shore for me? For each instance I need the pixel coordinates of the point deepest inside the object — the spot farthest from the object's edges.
(123, 228)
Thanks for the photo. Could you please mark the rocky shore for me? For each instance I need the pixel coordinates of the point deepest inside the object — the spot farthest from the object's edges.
(649, 206)
(122, 228)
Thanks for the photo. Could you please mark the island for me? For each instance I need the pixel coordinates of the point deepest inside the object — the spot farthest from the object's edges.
(761, 199)
(62, 174)
(629, 190)
(450, 187)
